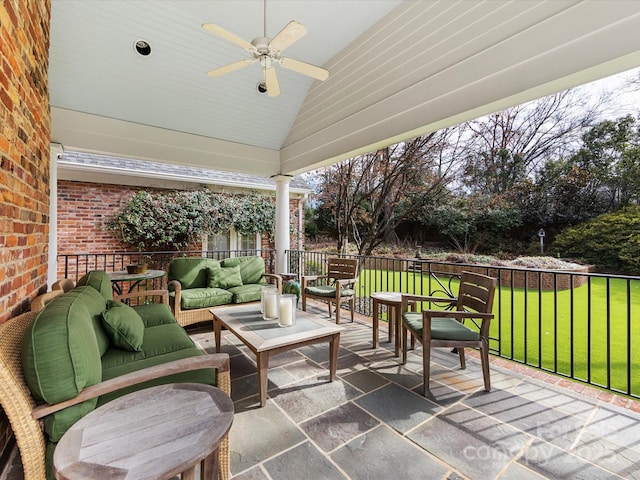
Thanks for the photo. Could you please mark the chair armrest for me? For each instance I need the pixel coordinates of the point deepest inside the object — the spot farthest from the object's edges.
(177, 300)
(40, 301)
(343, 282)
(311, 278)
(219, 361)
(177, 286)
(275, 277)
(164, 294)
(406, 299)
(64, 284)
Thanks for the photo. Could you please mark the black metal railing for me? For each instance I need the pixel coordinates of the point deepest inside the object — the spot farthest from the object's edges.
(581, 325)
(75, 265)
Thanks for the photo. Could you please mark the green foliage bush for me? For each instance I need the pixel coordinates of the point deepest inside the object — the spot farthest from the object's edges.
(610, 241)
(173, 220)
(313, 267)
(473, 222)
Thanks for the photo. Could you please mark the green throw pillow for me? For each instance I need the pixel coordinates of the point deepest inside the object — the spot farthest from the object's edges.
(123, 325)
(224, 277)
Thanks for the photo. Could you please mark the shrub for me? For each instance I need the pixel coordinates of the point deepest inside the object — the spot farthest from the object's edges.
(173, 220)
(610, 241)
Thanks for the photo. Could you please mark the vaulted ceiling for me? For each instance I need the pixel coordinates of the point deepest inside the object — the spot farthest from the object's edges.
(397, 69)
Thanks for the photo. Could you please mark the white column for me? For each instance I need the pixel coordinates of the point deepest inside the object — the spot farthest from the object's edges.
(282, 220)
(55, 149)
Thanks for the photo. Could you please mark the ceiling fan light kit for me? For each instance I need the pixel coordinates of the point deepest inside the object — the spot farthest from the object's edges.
(267, 52)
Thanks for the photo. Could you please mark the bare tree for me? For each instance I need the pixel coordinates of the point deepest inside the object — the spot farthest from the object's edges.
(508, 146)
(371, 194)
(498, 156)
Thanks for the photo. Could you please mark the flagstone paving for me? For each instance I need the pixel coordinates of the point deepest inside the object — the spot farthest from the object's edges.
(372, 422)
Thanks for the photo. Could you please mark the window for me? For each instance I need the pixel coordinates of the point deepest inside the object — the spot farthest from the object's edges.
(231, 241)
(248, 242)
(218, 241)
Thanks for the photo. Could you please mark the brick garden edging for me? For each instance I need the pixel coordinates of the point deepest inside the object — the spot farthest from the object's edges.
(519, 277)
(533, 278)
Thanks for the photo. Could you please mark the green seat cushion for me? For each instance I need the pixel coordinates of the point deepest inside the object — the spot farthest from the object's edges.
(61, 354)
(153, 314)
(252, 268)
(57, 424)
(158, 341)
(95, 305)
(99, 280)
(441, 328)
(123, 325)
(205, 375)
(224, 277)
(329, 291)
(204, 297)
(162, 343)
(247, 293)
(191, 272)
(48, 456)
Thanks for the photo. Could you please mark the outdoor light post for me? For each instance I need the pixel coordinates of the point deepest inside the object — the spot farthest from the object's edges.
(541, 235)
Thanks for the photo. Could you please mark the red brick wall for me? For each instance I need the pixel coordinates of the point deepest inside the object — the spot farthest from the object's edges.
(24, 158)
(84, 206)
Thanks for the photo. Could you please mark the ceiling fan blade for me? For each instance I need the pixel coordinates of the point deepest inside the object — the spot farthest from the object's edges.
(305, 68)
(270, 78)
(291, 33)
(228, 36)
(217, 72)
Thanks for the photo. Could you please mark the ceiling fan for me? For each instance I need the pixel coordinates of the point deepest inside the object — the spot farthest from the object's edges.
(268, 51)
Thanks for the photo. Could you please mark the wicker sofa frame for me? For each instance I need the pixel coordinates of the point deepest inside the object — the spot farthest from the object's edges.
(25, 416)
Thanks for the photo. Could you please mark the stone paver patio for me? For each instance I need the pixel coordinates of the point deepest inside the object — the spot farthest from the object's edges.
(371, 424)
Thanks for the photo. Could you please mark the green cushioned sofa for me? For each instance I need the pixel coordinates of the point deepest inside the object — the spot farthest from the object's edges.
(83, 337)
(196, 284)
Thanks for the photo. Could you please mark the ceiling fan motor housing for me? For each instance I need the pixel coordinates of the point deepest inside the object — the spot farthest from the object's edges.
(261, 44)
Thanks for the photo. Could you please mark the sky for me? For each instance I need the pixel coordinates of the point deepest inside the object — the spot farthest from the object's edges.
(624, 99)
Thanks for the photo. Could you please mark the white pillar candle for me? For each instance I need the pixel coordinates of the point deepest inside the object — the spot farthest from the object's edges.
(271, 305)
(286, 311)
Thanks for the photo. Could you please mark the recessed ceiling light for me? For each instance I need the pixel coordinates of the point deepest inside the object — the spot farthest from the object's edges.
(142, 47)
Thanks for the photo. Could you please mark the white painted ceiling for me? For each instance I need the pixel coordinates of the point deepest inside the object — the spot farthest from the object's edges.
(398, 69)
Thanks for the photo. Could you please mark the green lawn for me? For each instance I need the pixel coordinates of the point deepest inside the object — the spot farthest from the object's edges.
(558, 331)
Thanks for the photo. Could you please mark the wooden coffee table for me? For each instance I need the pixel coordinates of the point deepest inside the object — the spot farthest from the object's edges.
(152, 434)
(265, 338)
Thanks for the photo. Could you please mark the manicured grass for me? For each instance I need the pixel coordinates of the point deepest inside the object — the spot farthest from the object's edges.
(559, 331)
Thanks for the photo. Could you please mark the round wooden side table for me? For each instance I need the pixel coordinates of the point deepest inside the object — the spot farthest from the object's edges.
(393, 300)
(152, 434)
(118, 279)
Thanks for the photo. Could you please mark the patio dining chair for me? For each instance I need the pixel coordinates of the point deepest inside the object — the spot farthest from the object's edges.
(447, 328)
(338, 287)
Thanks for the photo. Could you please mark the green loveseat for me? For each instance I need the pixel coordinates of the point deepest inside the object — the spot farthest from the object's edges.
(196, 284)
(83, 338)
